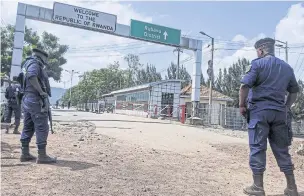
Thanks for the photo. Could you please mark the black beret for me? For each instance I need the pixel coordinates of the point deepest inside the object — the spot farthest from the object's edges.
(40, 51)
(263, 41)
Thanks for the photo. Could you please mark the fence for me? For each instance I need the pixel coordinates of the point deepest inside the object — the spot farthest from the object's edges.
(298, 128)
(222, 116)
(226, 117)
(230, 118)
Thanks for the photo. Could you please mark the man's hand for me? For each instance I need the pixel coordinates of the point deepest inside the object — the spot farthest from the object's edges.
(243, 111)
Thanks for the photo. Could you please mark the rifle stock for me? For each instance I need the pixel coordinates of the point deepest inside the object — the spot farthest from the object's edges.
(47, 105)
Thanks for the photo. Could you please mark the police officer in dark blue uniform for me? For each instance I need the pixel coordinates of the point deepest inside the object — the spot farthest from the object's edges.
(13, 105)
(268, 80)
(36, 90)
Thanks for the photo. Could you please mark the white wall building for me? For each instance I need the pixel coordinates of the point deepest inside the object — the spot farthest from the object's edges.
(148, 100)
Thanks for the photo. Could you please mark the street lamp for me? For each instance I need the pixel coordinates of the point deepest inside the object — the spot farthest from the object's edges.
(72, 73)
(210, 70)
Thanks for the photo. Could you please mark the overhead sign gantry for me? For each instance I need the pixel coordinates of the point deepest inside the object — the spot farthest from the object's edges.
(74, 16)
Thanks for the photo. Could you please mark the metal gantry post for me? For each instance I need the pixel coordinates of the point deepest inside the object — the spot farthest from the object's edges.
(196, 79)
(18, 41)
(210, 72)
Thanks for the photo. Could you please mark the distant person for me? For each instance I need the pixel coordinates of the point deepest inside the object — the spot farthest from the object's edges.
(69, 104)
(62, 105)
(57, 104)
(13, 105)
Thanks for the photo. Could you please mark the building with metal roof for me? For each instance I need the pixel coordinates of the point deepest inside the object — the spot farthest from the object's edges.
(219, 101)
(150, 100)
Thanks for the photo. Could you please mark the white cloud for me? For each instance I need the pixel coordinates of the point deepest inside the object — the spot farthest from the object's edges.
(85, 43)
(290, 28)
(239, 38)
(81, 42)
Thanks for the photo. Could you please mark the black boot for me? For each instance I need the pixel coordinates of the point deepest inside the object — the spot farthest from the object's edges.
(43, 158)
(257, 188)
(291, 189)
(25, 153)
(7, 128)
(16, 130)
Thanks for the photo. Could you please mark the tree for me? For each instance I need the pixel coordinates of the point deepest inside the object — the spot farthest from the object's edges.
(229, 82)
(133, 67)
(219, 80)
(48, 42)
(147, 75)
(183, 74)
(96, 83)
(203, 80)
(298, 108)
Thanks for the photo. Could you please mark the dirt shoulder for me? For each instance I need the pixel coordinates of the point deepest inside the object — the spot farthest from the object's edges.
(110, 159)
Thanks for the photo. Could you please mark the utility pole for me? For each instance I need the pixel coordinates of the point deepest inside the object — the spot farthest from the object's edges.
(179, 50)
(71, 84)
(210, 73)
(282, 46)
(72, 74)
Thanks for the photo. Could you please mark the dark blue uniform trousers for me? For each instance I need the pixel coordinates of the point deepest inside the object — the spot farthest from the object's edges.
(269, 124)
(35, 121)
(10, 108)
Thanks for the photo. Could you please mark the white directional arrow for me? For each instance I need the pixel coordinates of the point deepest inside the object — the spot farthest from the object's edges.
(165, 35)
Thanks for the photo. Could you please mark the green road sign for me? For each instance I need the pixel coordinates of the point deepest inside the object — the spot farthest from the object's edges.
(155, 33)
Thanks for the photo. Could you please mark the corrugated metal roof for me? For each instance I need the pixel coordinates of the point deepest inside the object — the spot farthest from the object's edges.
(143, 86)
(204, 93)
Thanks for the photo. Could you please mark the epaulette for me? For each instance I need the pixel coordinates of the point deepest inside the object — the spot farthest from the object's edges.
(256, 59)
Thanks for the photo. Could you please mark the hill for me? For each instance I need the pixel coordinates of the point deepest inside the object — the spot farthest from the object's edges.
(56, 94)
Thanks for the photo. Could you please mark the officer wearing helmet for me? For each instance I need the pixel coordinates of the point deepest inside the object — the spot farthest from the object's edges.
(13, 105)
(36, 89)
(264, 87)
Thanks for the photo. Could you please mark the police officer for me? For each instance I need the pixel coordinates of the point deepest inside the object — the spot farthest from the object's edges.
(13, 105)
(268, 79)
(36, 89)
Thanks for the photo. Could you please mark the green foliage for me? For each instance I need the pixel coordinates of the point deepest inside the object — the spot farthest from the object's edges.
(229, 82)
(48, 42)
(96, 83)
(183, 74)
(298, 108)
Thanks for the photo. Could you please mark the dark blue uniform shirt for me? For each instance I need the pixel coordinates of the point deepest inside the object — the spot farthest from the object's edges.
(269, 78)
(10, 93)
(32, 67)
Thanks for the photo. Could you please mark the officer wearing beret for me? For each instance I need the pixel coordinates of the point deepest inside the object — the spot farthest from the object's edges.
(36, 89)
(266, 82)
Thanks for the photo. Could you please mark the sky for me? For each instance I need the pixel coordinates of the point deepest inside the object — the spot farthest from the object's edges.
(234, 25)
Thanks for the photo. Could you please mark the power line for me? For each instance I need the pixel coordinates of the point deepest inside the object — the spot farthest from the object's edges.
(101, 47)
(302, 69)
(298, 60)
(239, 42)
(143, 53)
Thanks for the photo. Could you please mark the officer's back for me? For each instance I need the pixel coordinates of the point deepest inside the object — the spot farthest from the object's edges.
(10, 93)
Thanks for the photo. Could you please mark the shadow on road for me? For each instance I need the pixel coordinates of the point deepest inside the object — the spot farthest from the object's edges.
(2, 157)
(300, 194)
(5, 147)
(14, 165)
(75, 165)
(113, 127)
(121, 120)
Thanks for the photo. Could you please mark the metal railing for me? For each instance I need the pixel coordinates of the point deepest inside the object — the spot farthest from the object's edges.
(230, 118)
